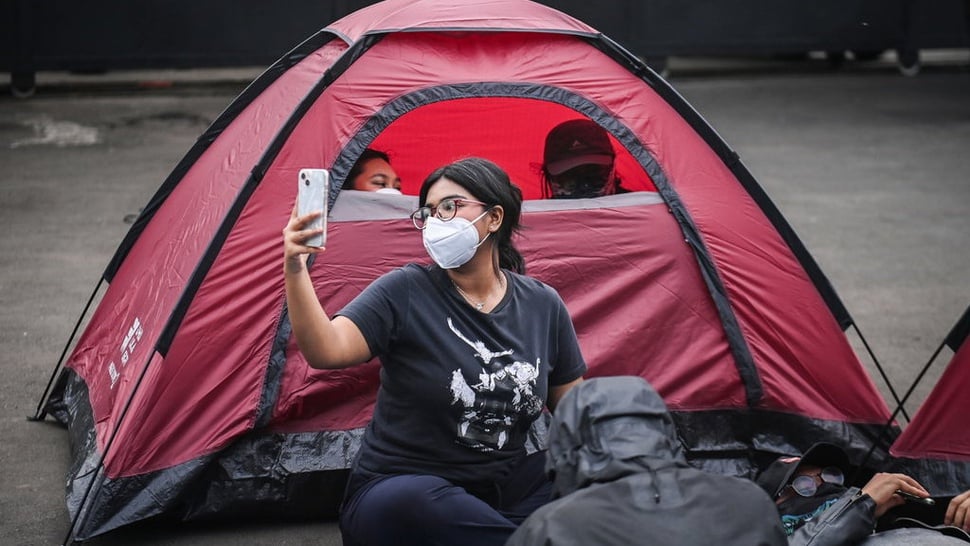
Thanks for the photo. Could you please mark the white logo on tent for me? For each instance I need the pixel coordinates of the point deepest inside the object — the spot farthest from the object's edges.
(128, 345)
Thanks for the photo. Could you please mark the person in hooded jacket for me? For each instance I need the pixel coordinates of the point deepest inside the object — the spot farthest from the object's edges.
(818, 508)
(620, 477)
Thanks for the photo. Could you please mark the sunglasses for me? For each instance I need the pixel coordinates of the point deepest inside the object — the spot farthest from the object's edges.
(806, 485)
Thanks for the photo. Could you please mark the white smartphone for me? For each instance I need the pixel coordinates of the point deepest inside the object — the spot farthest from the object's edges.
(311, 196)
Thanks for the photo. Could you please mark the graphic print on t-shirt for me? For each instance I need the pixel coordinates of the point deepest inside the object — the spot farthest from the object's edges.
(504, 394)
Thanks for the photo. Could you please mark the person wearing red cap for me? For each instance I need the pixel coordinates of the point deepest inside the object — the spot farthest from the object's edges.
(578, 162)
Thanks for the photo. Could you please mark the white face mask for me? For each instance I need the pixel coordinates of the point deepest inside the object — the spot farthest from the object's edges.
(451, 244)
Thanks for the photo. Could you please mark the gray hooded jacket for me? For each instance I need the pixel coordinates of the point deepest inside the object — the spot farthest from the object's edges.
(620, 477)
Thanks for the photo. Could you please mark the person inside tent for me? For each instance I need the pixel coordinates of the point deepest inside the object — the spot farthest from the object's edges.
(373, 172)
(621, 478)
(817, 507)
(471, 350)
(578, 162)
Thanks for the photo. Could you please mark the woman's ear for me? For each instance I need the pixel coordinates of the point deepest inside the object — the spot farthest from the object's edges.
(495, 217)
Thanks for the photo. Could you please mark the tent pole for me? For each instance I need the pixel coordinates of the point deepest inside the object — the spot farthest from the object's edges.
(885, 428)
(919, 377)
(40, 413)
(882, 372)
(70, 539)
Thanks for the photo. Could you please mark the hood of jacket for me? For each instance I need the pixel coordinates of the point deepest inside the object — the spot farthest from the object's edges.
(609, 427)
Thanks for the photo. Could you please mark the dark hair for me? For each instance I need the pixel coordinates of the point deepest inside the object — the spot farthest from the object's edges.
(490, 184)
(366, 156)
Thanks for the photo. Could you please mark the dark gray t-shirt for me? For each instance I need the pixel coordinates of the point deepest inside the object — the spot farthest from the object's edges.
(459, 388)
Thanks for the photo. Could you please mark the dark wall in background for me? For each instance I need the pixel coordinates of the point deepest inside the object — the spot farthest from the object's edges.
(115, 34)
(109, 34)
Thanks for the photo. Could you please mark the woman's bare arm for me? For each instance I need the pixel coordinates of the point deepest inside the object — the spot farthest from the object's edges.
(557, 392)
(325, 343)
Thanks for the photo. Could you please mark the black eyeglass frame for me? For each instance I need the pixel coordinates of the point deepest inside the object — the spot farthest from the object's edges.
(829, 474)
(420, 217)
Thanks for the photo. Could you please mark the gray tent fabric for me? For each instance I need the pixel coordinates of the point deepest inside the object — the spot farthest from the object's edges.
(621, 477)
(354, 205)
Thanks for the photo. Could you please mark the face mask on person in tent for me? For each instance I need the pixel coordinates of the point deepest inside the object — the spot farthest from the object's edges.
(584, 182)
(451, 244)
(799, 510)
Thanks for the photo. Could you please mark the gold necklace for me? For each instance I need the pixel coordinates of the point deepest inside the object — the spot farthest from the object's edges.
(479, 305)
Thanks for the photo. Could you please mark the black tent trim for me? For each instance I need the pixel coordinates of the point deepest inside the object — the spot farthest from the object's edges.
(733, 162)
(202, 143)
(942, 478)
(253, 90)
(74, 407)
(130, 499)
(743, 359)
(959, 333)
(302, 475)
(406, 103)
(255, 177)
(212, 250)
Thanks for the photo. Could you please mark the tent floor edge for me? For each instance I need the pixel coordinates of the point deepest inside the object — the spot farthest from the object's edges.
(713, 442)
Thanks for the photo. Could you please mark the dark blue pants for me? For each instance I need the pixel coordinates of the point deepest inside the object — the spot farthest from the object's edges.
(427, 510)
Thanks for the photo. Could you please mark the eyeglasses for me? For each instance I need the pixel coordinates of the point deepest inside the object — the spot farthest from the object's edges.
(806, 485)
(444, 211)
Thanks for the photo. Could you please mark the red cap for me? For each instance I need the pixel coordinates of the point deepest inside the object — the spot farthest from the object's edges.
(576, 142)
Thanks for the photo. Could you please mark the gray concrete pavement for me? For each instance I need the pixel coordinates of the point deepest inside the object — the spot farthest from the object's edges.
(870, 168)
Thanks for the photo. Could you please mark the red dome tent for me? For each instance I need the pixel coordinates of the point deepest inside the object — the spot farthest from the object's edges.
(186, 394)
(935, 447)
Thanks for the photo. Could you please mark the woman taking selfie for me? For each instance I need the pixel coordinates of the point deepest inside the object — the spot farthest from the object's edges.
(471, 351)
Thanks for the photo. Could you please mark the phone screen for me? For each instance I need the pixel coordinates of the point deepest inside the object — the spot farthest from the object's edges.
(312, 192)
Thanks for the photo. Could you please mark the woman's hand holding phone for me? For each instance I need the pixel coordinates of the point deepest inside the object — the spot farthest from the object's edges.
(305, 233)
(312, 188)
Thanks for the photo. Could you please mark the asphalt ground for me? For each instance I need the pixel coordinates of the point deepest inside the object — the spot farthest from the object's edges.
(870, 168)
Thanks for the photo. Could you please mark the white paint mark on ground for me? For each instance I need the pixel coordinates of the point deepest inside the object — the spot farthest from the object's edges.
(49, 132)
